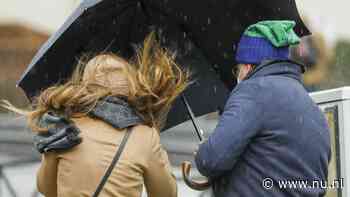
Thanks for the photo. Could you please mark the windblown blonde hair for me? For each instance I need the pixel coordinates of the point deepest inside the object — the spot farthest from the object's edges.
(150, 82)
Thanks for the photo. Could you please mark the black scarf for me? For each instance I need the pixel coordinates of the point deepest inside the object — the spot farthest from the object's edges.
(63, 134)
(116, 112)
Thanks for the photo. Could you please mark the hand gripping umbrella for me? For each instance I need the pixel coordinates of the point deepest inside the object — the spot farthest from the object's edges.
(203, 33)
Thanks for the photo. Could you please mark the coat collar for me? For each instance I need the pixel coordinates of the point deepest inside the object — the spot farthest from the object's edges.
(285, 68)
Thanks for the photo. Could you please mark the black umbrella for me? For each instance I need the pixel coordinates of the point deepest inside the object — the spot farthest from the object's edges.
(216, 26)
(204, 34)
(120, 26)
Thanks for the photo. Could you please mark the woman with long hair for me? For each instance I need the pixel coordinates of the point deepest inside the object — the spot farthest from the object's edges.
(103, 99)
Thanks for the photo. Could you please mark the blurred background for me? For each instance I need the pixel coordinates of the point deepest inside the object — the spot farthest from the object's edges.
(26, 25)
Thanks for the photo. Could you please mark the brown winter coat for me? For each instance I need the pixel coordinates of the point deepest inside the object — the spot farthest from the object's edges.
(78, 171)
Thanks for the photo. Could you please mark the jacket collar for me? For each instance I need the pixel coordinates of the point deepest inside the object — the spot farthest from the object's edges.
(285, 68)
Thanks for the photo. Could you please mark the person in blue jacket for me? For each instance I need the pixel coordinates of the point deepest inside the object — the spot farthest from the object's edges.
(272, 139)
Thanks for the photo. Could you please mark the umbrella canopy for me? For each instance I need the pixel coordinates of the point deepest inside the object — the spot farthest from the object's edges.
(120, 26)
(216, 26)
(203, 33)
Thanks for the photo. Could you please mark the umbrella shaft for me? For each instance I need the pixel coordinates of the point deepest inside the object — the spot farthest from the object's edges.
(199, 131)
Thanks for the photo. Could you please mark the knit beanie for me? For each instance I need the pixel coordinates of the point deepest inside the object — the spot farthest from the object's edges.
(266, 40)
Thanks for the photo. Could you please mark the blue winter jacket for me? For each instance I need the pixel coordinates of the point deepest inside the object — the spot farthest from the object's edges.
(270, 130)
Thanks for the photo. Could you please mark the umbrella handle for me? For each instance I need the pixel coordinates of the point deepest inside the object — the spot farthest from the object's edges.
(196, 185)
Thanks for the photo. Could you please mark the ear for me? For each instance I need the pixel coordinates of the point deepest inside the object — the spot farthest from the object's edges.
(250, 68)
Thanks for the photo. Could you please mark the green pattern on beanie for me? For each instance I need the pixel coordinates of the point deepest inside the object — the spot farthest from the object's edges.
(279, 33)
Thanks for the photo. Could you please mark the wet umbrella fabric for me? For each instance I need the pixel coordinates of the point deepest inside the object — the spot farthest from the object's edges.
(215, 26)
(84, 31)
(201, 38)
(128, 27)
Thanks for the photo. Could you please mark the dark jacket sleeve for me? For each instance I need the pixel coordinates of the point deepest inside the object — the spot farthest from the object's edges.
(239, 123)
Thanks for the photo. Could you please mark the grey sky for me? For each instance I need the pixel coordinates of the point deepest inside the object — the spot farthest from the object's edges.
(331, 17)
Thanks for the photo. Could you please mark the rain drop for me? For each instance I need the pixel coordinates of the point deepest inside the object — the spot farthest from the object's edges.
(234, 47)
(185, 17)
(188, 47)
(301, 120)
(209, 21)
(163, 40)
